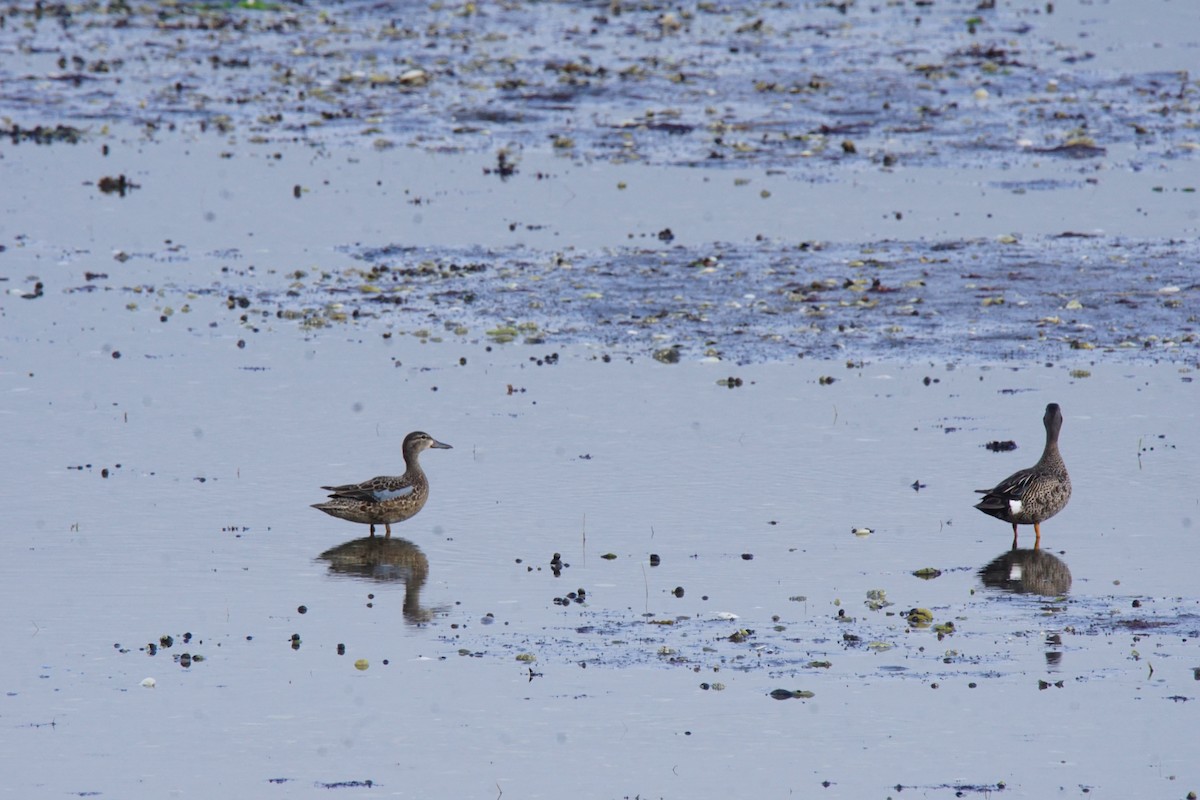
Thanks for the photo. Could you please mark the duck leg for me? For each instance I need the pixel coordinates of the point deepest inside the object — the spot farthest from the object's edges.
(388, 525)
(1037, 535)
(1014, 547)
(372, 528)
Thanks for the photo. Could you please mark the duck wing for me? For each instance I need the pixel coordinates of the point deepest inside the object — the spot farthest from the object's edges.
(1011, 488)
(376, 490)
(1006, 496)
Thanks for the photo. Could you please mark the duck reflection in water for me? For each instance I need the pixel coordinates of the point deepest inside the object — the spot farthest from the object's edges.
(385, 560)
(1027, 572)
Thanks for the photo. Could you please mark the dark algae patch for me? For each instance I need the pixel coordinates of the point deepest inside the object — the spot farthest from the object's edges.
(764, 301)
(809, 87)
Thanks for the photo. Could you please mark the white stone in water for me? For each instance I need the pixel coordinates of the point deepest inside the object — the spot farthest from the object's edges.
(149, 683)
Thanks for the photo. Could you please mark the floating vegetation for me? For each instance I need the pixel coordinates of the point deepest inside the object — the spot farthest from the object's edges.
(503, 334)
(877, 599)
(920, 617)
(667, 355)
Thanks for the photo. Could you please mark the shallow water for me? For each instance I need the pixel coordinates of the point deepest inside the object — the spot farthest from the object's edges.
(183, 365)
(202, 526)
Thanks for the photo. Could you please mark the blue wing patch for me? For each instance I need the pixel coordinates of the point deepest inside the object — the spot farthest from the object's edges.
(384, 495)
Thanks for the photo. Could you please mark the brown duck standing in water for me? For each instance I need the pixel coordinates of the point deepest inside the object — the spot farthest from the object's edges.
(385, 499)
(1031, 496)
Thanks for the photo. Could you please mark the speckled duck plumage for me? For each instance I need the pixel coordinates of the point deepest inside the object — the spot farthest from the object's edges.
(1033, 495)
(385, 499)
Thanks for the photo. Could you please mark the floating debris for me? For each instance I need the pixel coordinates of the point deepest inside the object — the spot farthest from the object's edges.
(920, 617)
(118, 185)
(667, 355)
(877, 599)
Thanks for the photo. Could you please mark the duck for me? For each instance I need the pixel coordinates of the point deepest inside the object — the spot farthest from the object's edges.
(386, 498)
(1033, 495)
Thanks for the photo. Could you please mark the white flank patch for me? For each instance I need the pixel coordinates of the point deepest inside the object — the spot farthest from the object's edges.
(1014, 506)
